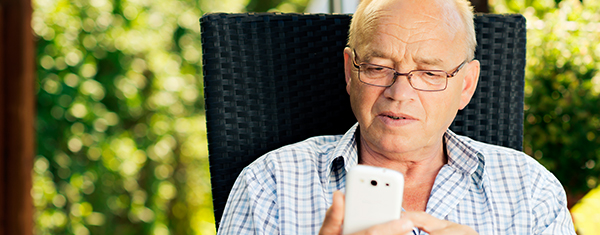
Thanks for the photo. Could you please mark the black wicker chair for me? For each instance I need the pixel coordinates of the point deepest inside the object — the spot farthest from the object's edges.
(274, 79)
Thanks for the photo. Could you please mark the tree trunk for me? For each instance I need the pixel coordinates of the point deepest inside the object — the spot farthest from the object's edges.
(17, 110)
(480, 6)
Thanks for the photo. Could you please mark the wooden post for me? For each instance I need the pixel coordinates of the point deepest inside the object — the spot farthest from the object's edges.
(17, 112)
(480, 6)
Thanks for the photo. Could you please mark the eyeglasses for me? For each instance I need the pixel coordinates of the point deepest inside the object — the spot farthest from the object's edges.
(422, 80)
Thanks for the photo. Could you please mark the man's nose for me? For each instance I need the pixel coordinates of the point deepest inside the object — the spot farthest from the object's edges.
(401, 89)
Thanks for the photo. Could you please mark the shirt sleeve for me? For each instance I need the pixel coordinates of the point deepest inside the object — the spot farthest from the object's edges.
(551, 215)
(251, 207)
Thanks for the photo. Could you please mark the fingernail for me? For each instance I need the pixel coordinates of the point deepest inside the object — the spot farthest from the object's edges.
(407, 225)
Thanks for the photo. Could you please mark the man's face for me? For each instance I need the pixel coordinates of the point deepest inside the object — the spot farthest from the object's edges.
(400, 119)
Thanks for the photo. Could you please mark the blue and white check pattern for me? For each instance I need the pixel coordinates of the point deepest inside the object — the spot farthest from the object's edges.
(493, 189)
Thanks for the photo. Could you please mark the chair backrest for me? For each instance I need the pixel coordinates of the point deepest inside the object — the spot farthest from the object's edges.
(273, 79)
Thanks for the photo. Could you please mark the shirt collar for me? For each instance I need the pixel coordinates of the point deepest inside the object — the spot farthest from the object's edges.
(461, 154)
(345, 148)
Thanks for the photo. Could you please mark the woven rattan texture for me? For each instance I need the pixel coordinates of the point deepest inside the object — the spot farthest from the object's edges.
(274, 79)
(495, 113)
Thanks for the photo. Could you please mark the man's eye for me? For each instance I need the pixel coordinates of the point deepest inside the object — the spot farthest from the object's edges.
(432, 74)
(374, 69)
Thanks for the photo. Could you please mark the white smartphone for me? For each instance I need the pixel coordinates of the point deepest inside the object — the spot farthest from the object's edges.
(373, 196)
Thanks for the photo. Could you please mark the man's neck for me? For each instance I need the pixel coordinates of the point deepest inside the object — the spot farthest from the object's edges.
(418, 167)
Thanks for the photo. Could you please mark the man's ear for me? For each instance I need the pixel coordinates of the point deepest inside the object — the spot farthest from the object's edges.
(348, 67)
(469, 83)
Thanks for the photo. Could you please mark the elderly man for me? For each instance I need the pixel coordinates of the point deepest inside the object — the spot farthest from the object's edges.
(409, 68)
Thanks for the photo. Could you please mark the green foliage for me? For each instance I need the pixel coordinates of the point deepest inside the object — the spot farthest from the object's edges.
(562, 103)
(276, 5)
(121, 132)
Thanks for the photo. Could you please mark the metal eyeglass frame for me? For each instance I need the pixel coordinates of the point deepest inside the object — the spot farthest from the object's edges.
(408, 75)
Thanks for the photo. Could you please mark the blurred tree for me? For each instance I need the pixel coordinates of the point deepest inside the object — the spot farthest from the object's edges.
(276, 5)
(121, 144)
(261, 5)
(562, 103)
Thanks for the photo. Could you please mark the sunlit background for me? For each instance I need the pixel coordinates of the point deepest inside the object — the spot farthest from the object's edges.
(121, 135)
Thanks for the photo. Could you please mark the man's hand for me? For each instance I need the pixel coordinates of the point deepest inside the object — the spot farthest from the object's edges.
(332, 225)
(435, 226)
(334, 217)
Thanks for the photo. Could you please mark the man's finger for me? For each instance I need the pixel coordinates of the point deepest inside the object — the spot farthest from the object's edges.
(400, 226)
(334, 217)
(435, 226)
(425, 221)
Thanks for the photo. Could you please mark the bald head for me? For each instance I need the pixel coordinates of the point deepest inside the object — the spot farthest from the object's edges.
(453, 17)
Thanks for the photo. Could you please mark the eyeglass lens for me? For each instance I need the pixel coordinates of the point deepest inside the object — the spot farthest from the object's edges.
(420, 80)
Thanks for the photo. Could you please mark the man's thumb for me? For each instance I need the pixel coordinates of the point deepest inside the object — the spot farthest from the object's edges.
(332, 225)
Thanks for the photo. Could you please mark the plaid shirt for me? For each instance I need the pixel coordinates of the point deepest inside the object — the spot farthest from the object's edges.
(494, 190)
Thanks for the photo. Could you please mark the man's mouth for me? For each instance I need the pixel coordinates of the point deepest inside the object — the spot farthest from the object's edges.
(395, 118)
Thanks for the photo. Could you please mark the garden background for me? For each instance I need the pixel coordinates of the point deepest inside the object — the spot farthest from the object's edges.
(121, 139)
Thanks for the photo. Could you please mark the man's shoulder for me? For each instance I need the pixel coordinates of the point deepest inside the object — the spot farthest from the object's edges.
(495, 153)
(310, 150)
(503, 164)
(500, 159)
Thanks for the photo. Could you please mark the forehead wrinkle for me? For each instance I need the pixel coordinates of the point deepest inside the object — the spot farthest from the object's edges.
(375, 50)
(417, 28)
(428, 61)
(430, 16)
(395, 36)
(373, 53)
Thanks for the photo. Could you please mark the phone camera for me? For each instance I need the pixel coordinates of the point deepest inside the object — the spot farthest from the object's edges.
(373, 182)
